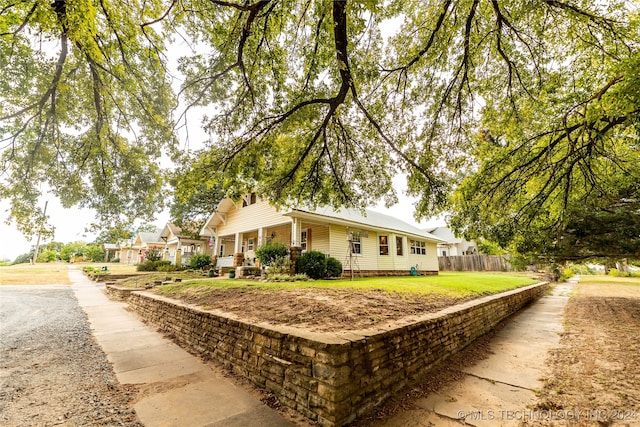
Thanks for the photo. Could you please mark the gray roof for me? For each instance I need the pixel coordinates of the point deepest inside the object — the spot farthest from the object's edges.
(446, 234)
(369, 219)
(150, 237)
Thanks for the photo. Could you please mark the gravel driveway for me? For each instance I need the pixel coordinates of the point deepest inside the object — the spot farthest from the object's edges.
(52, 372)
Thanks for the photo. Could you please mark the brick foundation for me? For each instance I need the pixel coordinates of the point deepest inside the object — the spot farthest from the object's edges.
(332, 378)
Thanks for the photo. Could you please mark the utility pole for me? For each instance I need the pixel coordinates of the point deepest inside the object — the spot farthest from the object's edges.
(35, 253)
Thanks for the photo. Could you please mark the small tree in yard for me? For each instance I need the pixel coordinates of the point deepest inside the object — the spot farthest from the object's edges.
(94, 252)
(271, 252)
(47, 255)
(199, 261)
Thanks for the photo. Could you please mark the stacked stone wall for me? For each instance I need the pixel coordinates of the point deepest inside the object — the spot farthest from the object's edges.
(331, 378)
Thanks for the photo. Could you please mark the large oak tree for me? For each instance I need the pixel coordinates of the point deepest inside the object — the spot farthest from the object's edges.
(325, 101)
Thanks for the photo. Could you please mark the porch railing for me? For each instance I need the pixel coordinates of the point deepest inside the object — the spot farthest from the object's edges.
(226, 261)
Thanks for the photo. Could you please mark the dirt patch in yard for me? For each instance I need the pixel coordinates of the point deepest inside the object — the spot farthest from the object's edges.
(317, 309)
(594, 375)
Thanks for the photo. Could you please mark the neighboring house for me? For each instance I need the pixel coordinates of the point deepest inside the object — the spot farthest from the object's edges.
(178, 248)
(144, 243)
(111, 251)
(126, 253)
(453, 246)
(375, 244)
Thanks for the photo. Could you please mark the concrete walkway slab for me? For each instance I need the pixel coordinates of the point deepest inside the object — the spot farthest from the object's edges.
(161, 372)
(173, 407)
(498, 390)
(255, 416)
(176, 388)
(130, 339)
(132, 359)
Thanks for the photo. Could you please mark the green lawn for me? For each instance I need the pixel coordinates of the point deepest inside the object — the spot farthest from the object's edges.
(452, 284)
(633, 281)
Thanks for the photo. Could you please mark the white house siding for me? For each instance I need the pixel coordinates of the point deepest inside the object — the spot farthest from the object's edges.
(371, 258)
(401, 262)
(251, 217)
(428, 262)
(393, 261)
(386, 262)
(368, 260)
(319, 238)
(338, 243)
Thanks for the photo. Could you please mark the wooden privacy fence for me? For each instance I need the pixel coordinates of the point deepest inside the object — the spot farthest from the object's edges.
(474, 263)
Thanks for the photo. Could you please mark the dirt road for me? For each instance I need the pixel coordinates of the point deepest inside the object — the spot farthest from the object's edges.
(52, 373)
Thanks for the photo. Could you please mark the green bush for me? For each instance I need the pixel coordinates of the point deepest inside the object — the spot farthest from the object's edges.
(565, 274)
(615, 272)
(154, 255)
(115, 260)
(94, 252)
(199, 261)
(166, 268)
(161, 263)
(581, 269)
(313, 264)
(47, 255)
(147, 265)
(279, 266)
(271, 252)
(334, 267)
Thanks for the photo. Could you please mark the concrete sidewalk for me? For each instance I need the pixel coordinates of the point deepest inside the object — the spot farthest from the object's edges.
(499, 390)
(176, 388)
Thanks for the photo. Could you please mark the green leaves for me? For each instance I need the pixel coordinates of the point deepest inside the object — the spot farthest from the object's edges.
(85, 108)
(526, 109)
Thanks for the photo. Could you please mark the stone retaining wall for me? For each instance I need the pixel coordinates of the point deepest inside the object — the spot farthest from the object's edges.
(332, 378)
(118, 293)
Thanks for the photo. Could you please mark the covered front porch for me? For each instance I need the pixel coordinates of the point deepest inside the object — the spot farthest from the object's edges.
(239, 249)
(238, 228)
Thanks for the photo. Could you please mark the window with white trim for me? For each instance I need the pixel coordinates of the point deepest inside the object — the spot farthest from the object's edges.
(303, 239)
(356, 243)
(251, 244)
(383, 243)
(418, 247)
(399, 246)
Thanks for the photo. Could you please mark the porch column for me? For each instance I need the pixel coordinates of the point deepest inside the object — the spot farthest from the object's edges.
(296, 232)
(261, 234)
(238, 256)
(237, 248)
(178, 260)
(215, 249)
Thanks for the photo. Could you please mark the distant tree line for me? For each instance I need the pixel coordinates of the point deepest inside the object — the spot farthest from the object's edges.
(57, 251)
